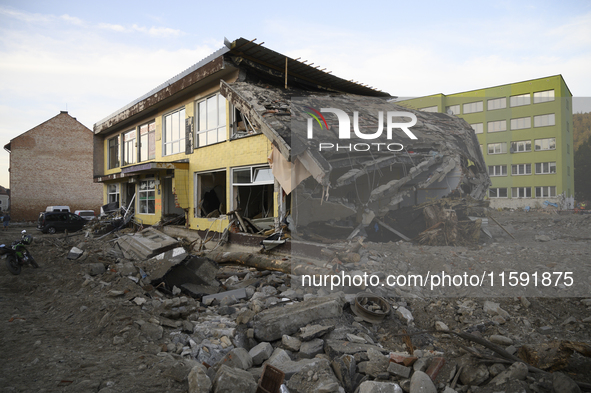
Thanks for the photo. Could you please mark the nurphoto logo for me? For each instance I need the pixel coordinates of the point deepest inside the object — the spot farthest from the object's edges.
(345, 129)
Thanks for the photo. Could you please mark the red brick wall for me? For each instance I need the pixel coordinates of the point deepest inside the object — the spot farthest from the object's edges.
(52, 164)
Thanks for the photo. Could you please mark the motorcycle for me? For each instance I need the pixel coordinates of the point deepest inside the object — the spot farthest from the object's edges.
(17, 255)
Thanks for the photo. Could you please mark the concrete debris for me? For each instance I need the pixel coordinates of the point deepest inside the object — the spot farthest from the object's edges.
(257, 319)
(145, 244)
(75, 253)
(272, 324)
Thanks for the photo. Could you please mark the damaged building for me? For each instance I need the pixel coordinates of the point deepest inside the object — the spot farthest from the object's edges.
(225, 145)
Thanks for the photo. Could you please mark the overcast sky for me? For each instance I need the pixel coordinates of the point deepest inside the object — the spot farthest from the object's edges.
(92, 58)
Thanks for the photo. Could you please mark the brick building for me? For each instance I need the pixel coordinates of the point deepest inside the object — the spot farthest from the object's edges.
(52, 164)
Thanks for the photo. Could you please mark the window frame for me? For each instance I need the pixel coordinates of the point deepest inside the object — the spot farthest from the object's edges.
(431, 109)
(150, 133)
(520, 100)
(116, 192)
(494, 125)
(541, 120)
(515, 169)
(128, 144)
(546, 140)
(116, 148)
(453, 109)
(549, 189)
(180, 142)
(543, 96)
(519, 191)
(473, 107)
(502, 148)
(501, 169)
(481, 128)
(145, 200)
(219, 128)
(545, 171)
(516, 123)
(516, 144)
(498, 192)
(497, 103)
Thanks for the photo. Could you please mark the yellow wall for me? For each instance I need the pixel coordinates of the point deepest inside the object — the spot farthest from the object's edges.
(251, 150)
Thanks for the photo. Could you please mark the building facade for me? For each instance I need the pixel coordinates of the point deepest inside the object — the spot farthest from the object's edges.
(197, 147)
(52, 164)
(4, 199)
(525, 131)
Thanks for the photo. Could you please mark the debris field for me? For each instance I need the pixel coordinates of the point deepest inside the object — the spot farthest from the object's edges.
(150, 312)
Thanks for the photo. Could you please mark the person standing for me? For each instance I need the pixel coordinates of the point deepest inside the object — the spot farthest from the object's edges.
(6, 220)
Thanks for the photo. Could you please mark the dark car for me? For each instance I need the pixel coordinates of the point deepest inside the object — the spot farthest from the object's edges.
(52, 222)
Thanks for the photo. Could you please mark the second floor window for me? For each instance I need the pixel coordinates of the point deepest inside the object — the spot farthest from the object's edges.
(129, 147)
(148, 141)
(114, 152)
(173, 140)
(211, 121)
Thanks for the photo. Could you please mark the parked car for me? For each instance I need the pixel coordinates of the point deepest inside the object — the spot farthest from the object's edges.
(86, 214)
(52, 222)
(57, 209)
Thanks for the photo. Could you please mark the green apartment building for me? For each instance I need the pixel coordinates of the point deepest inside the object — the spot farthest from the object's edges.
(525, 130)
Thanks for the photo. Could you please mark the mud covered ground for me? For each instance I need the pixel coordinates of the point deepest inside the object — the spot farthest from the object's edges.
(63, 330)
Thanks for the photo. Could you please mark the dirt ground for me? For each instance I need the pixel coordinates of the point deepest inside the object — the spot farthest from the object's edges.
(65, 331)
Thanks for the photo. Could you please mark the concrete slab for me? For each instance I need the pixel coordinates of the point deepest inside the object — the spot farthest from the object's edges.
(272, 324)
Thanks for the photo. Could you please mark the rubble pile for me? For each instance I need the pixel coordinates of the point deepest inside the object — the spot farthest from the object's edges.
(194, 324)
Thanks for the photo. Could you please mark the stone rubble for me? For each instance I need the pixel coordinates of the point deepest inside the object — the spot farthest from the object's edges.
(219, 342)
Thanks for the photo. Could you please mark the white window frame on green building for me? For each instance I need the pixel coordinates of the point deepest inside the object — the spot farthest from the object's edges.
(545, 120)
(520, 192)
(499, 192)
(545, 144)
(497, 148)
(545, 191)
(520, 169)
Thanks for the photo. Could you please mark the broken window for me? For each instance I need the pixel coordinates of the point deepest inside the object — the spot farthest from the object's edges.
(147, 197)
(114, 152)
(241, 125)
(129, 147)
(113, 193)
(252, 191)
(147, 148)
(211, 121)
(173, 140)
(210, 193)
